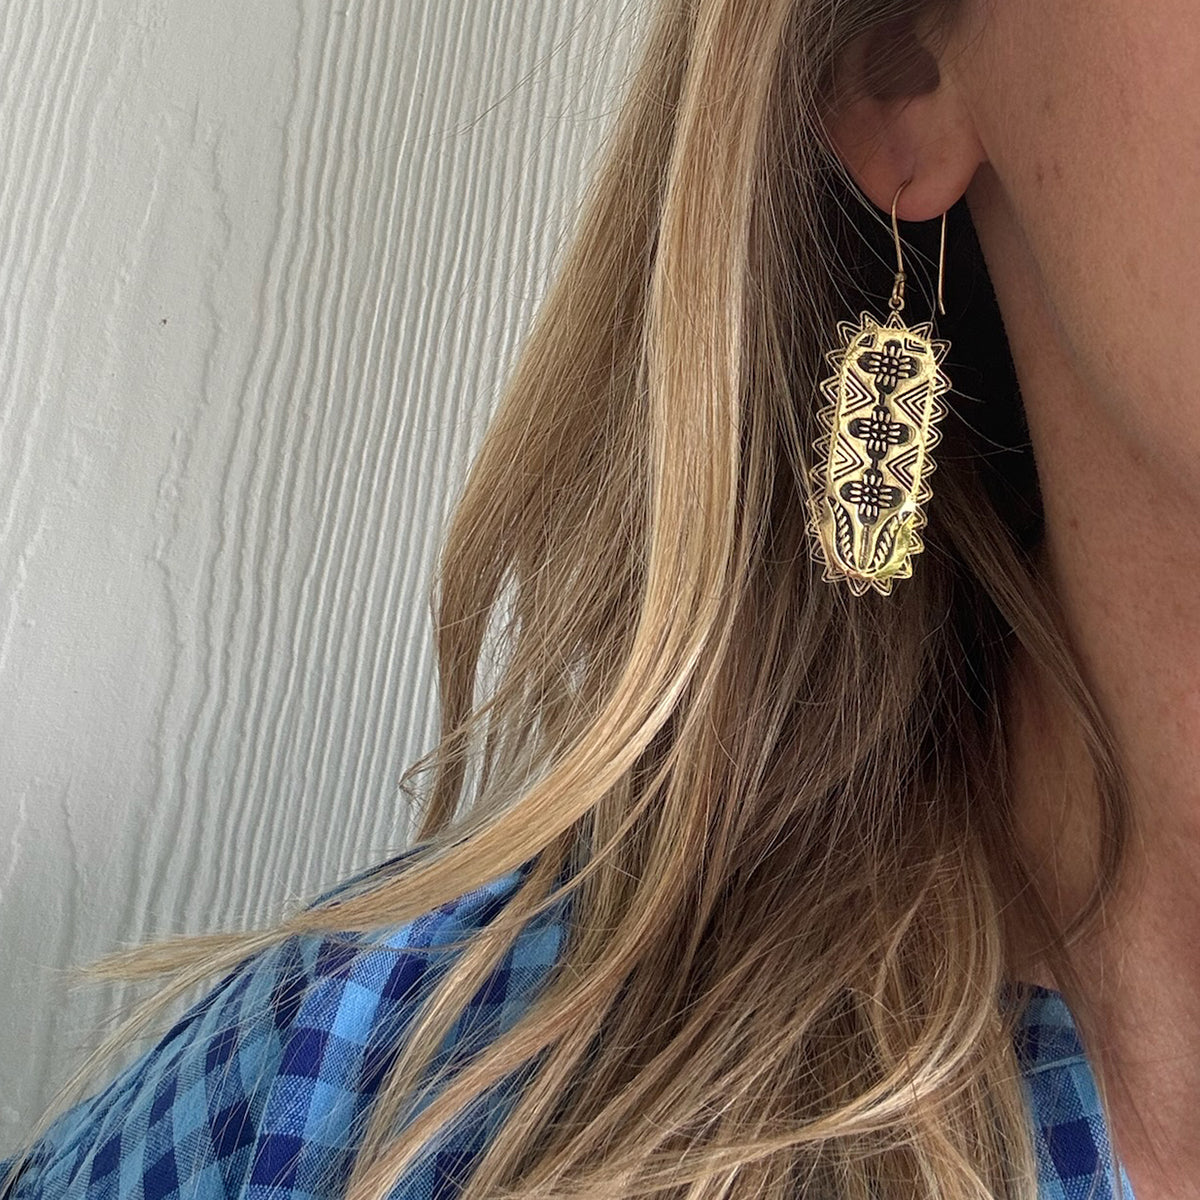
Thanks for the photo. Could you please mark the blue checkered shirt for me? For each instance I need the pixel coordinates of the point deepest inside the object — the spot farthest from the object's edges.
(259, 1090)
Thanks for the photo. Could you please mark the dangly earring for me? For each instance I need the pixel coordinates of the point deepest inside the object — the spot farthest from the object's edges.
(873, 462)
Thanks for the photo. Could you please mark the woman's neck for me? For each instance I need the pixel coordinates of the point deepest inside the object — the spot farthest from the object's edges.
(1122, 553)
(1119, 543)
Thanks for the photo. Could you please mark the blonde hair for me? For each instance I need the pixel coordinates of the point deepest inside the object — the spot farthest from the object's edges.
(785, 809)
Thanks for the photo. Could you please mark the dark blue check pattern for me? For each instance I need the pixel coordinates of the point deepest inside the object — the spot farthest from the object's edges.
(259, 1091)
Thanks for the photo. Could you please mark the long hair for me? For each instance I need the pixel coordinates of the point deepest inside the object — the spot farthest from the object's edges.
(782, 811)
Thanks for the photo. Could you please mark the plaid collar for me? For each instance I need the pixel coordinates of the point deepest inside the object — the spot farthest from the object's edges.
(1070, 1135)
(260, 1089)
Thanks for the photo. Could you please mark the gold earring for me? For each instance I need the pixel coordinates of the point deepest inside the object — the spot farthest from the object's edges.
(873, 462)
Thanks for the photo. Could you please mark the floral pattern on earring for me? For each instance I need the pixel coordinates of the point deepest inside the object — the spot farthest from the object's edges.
(889, 366)
(870, 494)
(879, 433)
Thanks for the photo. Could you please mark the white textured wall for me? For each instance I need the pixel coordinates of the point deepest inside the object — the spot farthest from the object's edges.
(262, 269)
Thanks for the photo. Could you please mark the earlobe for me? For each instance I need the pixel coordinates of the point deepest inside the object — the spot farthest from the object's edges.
(893, 116)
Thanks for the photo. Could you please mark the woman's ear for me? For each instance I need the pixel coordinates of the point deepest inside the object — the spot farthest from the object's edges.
(893, 114)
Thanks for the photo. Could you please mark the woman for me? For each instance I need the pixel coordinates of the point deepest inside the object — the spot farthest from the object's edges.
(767, 885)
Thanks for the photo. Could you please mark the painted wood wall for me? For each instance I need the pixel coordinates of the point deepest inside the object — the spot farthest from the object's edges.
(263, 268)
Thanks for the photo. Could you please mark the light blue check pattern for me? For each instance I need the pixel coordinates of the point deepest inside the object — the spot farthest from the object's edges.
(259, 1091)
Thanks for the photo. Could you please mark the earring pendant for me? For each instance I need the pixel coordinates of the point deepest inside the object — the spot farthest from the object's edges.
(870, 478)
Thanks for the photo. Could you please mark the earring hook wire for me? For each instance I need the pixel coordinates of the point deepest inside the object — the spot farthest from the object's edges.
(896, 303)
